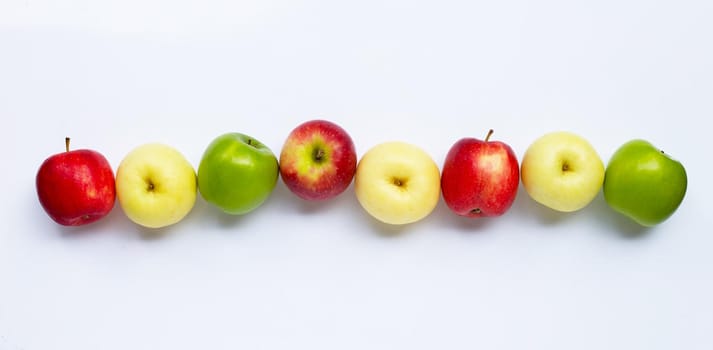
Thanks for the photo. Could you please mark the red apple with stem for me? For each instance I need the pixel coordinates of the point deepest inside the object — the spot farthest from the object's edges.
(76, 187)
(318, 160)
(480, 177)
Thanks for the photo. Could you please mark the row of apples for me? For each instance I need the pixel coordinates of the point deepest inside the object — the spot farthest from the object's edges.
(395, 182)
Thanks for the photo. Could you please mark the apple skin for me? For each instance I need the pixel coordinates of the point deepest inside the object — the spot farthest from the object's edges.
(644, 183)
(76, 187)
(561, 170)
(156, 185)
(237, 173)
(397, 183)
(480, 177)
(318, 160)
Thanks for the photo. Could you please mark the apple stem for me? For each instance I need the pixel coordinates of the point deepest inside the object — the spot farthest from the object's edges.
(250, 142)
(66, 143)
(490, 132)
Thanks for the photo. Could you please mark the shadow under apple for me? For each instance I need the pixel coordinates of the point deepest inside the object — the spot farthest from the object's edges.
(154, 234)
(387, 230)
(391, 231)
(113, 219)
(615, 222)
(524, 205)
(377, 227)
(309, 207)
(214, 216)
(463, 224)
(289, 201)
(597, 211)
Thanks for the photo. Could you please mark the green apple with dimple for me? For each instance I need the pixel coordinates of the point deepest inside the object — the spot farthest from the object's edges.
(644, 183)
(237, 173)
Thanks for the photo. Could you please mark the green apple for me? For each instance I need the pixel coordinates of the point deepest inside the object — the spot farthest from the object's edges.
(155, 185)
(561, 170)
(237, 173)
(397, 183)
(644, 183)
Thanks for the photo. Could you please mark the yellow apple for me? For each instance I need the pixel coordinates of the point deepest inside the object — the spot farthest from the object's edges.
(155, 185)
(561, 170)
(397, 183)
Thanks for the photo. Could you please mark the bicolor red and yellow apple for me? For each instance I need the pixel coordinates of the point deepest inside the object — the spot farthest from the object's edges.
(318, 160)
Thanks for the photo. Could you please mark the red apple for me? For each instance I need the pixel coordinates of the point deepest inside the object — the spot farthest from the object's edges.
(480, 177)
(76, 187)
(318, 160)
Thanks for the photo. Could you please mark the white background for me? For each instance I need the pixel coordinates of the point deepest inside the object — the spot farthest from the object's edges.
(114, 75)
